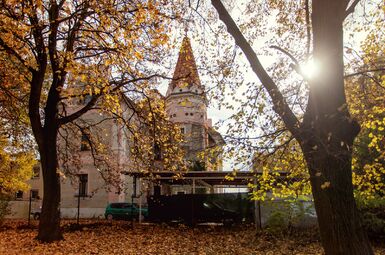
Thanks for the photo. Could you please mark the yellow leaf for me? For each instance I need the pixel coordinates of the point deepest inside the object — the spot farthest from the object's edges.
(325, 185)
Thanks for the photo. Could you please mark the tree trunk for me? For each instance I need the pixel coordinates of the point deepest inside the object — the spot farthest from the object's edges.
(327, 136)
(339, 221)
(327, 132)
(49, 225)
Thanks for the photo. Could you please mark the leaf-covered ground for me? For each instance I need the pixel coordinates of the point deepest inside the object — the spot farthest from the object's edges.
(100, 237)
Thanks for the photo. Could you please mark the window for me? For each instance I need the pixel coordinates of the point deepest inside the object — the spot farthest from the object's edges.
(36, 172)
(157, 152)
(19, 195)
(182, 130)
(85, 142)
(126, 205)
(35, 194)
(117, 205)
(174, 115)
(186, 113)
(191, 114)
(157, 190)
(87, 99)
(83, 180)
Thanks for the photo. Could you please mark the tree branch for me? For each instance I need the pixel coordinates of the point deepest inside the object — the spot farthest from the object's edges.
(351, 8)
(79, 113)
(87, 107)
(280, 105)
(308, 27)
(37, 77)
(12, 51)
(286, 53)
(364, 72)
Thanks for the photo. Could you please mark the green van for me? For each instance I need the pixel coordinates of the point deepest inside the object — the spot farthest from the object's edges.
(124, 211)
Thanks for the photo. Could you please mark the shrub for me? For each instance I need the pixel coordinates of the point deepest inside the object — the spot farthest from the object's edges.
(286, 215)
(4, 207)
(373, 215)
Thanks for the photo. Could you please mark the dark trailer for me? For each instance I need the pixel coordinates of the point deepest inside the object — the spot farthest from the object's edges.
(226, 208)
(198, 206)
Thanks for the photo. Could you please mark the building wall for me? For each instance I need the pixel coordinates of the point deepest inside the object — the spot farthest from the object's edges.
(19, 206)
(187, 107)
(98, 193)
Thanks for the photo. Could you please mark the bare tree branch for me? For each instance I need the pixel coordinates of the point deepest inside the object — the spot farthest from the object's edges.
(364, 72)
(280, 105)
(351, 8)
(308, 27)
(79, 113)
(287, 54)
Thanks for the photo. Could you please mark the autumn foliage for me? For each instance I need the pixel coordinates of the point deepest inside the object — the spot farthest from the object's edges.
(73, 57)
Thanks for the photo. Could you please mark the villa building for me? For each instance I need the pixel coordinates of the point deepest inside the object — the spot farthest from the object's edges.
(186, 105)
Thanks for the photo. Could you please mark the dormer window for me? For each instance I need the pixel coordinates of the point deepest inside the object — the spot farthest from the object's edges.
(186, 113)
(191, 114)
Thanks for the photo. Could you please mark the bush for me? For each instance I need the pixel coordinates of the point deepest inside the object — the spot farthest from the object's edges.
(4, 207)
(277, 221)
(373, 215)
(287, 215)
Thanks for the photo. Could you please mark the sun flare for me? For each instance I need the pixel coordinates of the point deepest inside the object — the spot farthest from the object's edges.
(310, 69)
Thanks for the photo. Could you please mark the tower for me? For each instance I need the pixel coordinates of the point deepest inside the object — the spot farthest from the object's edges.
(186, 105)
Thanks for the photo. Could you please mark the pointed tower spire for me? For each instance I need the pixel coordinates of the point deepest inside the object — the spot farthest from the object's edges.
(186, 72)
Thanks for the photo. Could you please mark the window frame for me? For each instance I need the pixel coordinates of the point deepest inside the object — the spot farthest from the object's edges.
(83, 185)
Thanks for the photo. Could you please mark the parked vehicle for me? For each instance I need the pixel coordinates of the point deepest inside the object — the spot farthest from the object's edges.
(35, 213)
(124, 211)
(200, 208)
(213, 212)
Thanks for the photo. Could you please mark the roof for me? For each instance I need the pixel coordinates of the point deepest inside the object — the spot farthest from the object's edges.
(211, 178)
(186, 71)
(216, 136)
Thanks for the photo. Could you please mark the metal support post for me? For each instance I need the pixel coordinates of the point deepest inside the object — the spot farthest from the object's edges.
(29, 207)
(78, 216)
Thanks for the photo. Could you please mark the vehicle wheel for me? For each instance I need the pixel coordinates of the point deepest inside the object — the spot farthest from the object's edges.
(228, 222)
(109, 217)
(36, 216)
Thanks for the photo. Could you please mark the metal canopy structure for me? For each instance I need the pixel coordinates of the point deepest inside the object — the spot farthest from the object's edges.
(211, 178)
(204, 178)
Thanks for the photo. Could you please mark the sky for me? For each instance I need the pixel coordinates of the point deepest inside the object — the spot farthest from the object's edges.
(202, 39)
